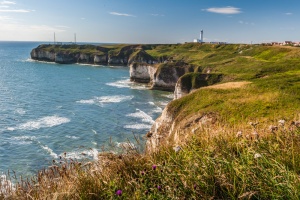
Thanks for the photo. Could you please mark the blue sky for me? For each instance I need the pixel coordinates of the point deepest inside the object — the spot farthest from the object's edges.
(155, 21)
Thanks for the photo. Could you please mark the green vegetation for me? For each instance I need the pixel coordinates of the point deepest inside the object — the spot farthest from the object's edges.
(250, 150)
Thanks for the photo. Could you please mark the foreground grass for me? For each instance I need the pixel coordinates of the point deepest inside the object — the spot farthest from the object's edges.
(210, 165)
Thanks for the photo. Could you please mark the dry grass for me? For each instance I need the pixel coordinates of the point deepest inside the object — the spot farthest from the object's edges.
(229, 85)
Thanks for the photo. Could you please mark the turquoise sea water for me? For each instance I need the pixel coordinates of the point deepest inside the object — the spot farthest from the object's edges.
(48, 109)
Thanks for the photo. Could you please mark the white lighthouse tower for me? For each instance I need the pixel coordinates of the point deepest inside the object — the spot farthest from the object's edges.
(201, 36)
(200, 40)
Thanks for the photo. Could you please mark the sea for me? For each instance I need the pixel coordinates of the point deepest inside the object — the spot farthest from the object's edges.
(49, 110)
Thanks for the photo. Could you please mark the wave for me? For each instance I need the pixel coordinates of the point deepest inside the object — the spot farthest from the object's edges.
(47, 62)
(120, 84)
(44, 122)
(93, 153)
(126, 83)
(169, 96)
(72, 137)
(83, 64)
(142, 115)
(138, 126)
(23, 140)
(50, 151)
(106, 99)
(20, 111)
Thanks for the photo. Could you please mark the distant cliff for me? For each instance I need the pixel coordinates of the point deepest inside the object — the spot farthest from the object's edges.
(91, 54)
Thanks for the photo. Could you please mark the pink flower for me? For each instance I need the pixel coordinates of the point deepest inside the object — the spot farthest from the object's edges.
(154, 167)
(119, 192)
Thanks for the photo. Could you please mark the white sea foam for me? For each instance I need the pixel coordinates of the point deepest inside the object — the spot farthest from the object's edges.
(106, 99)
(23, 140)
(151, 103)
(44, 122)
(157, 110)
(82, 154)
(120, 84)
(95, 132)
(170, 96)
(142, 115)
(50, 151)
(126, 83)
(138, 126)
(31, 60)
(72, 137)
(20, 111)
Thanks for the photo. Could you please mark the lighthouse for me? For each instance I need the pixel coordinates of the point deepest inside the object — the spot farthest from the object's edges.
(200, 40)
(201, 36)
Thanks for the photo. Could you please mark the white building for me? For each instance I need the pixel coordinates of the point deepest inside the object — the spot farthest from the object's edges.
(200, 40)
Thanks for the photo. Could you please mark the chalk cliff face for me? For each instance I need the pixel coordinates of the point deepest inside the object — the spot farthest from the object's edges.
(163, 76)
(43, 55)
(191, 81)
(68, 54)
(142, 72)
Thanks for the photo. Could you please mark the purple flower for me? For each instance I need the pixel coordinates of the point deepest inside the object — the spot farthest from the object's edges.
(143, 173)
(119, 192)
(154, 167)
(159, 187)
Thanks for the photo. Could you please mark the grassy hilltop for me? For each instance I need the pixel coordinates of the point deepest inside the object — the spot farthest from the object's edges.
(237, 139)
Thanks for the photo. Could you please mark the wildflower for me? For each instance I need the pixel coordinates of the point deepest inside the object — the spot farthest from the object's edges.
(296, 123)
(255, 135)
(254, 124)
(195, 186)
(119, 192)
(273, 128)
(239, 134)
(257, 155)
(143, 173)
(281, 122)
(154, 167)
(177, 148)
(146, 192)
(159, 187)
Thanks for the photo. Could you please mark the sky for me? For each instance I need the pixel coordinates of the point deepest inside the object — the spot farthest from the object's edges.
(145, 21)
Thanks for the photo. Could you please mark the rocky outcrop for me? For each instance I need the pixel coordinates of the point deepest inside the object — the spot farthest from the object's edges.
(167, 75)
(142, 72)
(160, 130)
(191, 81)
(100, 59)
(48, 56)
(168, 130)
(89, 54)
(163, 76)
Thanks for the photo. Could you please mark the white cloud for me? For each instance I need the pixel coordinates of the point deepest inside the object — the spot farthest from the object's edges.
(82, 18)
(157, 15)
(7, 3)
(5, 18)
(45, 28)
(246, 23)
(288, 13)
(1, 6)
(224, 10)
(121, 14)
(14, 10)
(61, 26)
